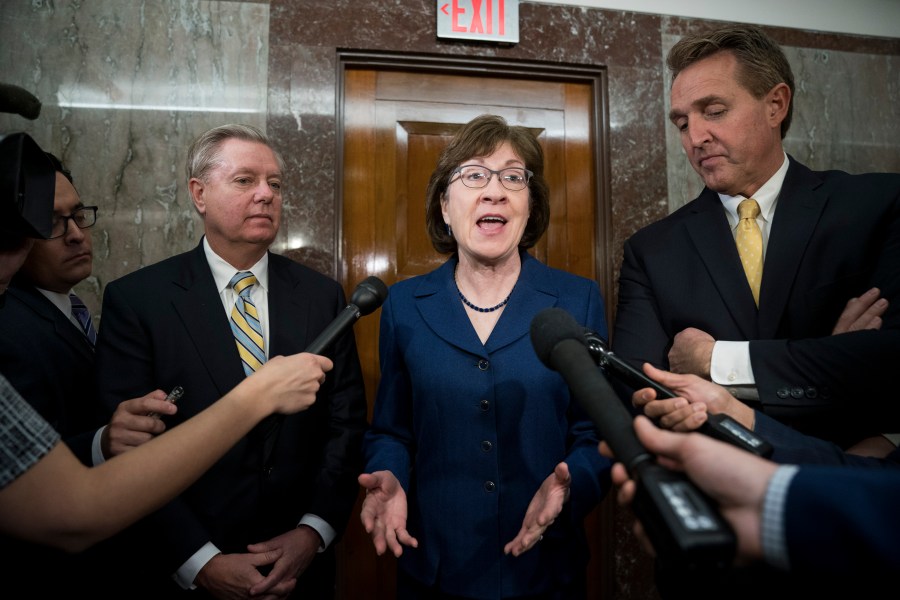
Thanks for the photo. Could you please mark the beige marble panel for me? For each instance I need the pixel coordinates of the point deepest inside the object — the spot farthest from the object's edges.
(125, 88)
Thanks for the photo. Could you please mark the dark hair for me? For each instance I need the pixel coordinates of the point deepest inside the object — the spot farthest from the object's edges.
(59, 167)
(761, 63)
(478, 138)
(203, 154)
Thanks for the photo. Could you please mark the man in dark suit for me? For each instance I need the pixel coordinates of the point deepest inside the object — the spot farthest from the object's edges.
(47, 354)
(685, 303)
(264, 518)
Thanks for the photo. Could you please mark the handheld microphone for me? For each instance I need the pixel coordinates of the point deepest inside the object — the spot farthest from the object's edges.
(367, 297)
(719, 426)
(16, 100)
(682, 523)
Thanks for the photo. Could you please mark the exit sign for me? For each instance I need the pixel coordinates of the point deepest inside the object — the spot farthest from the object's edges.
(490, 20)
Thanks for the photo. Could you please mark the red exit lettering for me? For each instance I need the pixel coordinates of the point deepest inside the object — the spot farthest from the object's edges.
(482, 19)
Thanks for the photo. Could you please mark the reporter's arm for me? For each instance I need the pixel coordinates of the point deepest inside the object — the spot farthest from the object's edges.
(62, 503)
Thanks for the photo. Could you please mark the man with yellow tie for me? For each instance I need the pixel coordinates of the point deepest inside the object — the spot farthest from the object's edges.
(264, 519)
(746, 284)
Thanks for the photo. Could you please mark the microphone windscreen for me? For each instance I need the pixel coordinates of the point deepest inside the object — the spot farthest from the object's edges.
(14, 99)
(550, 327)
(369, 295)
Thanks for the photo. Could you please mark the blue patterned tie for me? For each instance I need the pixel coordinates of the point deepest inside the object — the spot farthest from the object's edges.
(83, 316)
(245, 323)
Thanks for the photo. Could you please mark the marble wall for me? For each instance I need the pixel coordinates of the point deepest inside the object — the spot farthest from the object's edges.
(126, 86)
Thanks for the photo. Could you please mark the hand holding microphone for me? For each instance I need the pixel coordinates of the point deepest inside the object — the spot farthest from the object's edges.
(682, 523)
(719, 426)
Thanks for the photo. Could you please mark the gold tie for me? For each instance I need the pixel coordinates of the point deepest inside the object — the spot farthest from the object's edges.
(749, 244)
(245, 323)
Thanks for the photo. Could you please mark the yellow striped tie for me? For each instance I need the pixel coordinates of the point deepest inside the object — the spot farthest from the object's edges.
(245, 323)
(749, 244)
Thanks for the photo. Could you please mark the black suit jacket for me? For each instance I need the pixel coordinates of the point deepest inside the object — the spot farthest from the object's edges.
(163, 326)
(833, 237)
(51, 364)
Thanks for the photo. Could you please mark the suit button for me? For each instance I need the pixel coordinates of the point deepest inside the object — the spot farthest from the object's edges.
(782, 393)
(812, 392)
(485, 405)
(490, 486)
(268, 471)
(486, 446)
(796, 393)
(483, 364)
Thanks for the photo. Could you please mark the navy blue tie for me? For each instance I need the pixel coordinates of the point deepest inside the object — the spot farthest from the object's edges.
(83, 316)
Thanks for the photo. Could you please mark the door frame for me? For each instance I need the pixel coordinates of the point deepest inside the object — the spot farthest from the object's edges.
(593, 76)
(596, 78)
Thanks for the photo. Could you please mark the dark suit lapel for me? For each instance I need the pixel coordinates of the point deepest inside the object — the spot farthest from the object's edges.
(796, 215)
(288, 312)
(534, 292)
(709, 232)
(67, 331)
(440, 308)
(197, 303)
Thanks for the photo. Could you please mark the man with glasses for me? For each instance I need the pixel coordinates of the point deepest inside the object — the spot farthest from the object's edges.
(47, 354)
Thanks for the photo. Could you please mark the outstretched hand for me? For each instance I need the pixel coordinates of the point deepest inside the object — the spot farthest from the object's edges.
(384, 511)
(542, 511)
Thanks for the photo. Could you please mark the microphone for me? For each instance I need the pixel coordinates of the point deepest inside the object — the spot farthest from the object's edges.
(719, 426)
(367, 297)
(682, 523)
(16, 100)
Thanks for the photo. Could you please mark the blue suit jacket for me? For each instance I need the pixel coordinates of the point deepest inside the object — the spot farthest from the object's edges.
(843, 524)
(471, 431)
(833, 237)
(164, 325)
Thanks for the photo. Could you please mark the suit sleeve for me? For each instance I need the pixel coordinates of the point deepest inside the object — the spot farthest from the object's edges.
(842, 522)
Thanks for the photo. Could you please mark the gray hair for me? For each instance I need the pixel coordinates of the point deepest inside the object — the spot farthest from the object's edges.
(203, 154)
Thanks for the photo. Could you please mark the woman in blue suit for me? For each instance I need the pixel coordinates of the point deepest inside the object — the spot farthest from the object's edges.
(480, 467)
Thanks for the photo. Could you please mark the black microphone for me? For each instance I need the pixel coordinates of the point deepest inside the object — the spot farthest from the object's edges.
(16, 100)
(367, 297)
(719, 426)
(682, 523)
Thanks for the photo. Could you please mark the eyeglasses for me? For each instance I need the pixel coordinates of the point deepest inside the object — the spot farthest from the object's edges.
(83, 218)
(476, 176)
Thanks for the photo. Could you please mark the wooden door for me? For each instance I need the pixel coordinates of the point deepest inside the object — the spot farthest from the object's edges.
(395, 122)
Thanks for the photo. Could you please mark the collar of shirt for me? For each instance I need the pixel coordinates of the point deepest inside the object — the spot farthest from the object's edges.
(62, 302)
(766, 196)
(222, 273)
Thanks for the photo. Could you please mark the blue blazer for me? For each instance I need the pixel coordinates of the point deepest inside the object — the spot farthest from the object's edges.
(833, 237)
(843, 523)
(164, 325)
(471, 430)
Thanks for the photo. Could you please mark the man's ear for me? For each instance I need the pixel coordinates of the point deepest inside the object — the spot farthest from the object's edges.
(197, 188)
(777, 101)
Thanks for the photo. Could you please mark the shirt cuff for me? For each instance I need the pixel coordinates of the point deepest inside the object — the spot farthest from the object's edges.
(97, 457)
(325, 531)
(773, 542)
(187, 573)
(730, 364)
